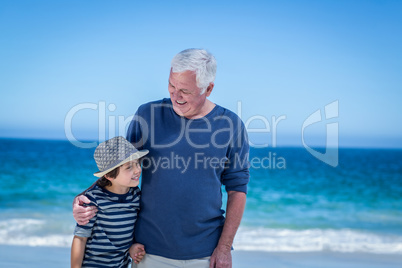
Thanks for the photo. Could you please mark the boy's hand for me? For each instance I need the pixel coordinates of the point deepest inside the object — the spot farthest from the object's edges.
(83, 214)
(137, 252)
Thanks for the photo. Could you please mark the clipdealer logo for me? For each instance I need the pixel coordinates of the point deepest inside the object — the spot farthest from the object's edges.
(108, 124)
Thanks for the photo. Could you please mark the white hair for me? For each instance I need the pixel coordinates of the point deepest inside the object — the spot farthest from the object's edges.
(199, 61)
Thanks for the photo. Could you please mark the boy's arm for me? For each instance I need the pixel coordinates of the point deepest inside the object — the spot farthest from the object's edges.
(77, 251)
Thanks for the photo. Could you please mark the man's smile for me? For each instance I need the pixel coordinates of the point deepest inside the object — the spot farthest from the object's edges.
(181, 102)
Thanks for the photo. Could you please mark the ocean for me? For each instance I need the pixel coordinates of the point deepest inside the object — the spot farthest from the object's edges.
(295, 203)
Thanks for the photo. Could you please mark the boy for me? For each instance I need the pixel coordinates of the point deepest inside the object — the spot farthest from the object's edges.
(107, 240)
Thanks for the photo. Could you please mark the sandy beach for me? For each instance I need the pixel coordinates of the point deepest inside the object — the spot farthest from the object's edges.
(35, 257)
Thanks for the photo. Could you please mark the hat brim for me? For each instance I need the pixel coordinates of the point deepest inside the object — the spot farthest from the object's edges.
(136, 155)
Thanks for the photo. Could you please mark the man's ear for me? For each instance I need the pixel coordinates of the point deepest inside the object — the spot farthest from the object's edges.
(209, 89)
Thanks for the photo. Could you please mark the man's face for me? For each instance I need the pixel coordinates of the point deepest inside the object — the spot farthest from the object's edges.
(185, 95)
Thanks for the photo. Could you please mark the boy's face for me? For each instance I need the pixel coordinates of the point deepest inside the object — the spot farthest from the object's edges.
(129, 174)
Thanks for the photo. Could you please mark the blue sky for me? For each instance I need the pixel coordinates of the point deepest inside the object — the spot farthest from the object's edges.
(275, 58)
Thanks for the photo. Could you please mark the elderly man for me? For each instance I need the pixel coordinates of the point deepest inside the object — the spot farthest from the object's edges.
(194, 146)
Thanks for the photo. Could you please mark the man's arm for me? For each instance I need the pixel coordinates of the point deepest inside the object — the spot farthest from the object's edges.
(222, 256)
(82, 214)
(77, 251)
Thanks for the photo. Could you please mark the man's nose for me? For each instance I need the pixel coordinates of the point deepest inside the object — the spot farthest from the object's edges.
(177, 93)
(172, 91)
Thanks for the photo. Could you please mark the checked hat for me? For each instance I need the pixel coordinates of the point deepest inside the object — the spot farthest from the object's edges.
(114, 153)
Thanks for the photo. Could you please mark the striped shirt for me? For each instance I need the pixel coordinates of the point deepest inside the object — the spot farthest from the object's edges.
(110, 232)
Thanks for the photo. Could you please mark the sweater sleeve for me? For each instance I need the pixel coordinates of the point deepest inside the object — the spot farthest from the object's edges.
(236, 174)
(134, 132)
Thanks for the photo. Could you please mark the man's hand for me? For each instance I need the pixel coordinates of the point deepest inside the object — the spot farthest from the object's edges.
(83, 214)
(137, 252)
(221, 257)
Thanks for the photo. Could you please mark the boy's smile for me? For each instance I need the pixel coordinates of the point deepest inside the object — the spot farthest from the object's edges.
(129, 176)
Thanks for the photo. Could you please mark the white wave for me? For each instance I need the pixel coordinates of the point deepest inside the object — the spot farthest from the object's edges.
(344, 240)
(38, 232)
(50, 240)
(26, 232)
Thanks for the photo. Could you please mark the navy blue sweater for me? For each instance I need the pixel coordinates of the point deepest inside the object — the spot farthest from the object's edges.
(188, 161)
